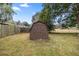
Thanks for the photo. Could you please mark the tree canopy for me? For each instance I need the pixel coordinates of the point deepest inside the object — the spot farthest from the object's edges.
(6, 12)
(65, 13)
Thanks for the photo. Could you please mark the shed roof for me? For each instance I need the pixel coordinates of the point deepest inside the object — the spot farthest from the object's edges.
(35, 23)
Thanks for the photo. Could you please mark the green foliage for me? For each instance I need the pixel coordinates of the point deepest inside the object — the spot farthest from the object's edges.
(18, 22)
(6, 12)
(70, 11)
(45, 16)
(35, 17)
(50, 13)
(25, 23)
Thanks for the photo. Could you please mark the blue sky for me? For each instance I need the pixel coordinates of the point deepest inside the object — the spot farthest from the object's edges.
(25, 11)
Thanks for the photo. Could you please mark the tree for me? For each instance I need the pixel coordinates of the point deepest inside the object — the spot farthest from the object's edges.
(45, 16)
(51, 12)
(76, 12)
(18, 23)
(25, 23)
(6, 12)
(61, 12)
(68, 13)
(35, 17)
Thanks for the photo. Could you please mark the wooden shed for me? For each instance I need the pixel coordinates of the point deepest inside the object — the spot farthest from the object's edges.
(38, 31)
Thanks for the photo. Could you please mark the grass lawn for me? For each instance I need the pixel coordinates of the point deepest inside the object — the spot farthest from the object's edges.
(58, 44)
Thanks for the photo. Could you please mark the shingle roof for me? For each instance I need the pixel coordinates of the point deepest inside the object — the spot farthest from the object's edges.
(35, 23)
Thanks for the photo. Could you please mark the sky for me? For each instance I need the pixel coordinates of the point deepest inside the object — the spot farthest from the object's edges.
(24, 11)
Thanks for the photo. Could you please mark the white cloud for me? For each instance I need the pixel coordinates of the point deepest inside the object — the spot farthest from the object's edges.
(34, 13)
(16, 8)
(24, 5)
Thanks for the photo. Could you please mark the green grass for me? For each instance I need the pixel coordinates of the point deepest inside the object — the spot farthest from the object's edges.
(57, 45)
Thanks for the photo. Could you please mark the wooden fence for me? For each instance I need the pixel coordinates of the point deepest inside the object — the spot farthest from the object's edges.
(8, 29)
